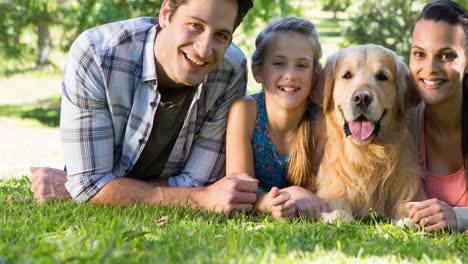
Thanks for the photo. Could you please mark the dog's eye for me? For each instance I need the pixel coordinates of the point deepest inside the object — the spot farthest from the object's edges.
(381, 76)
(347, 75)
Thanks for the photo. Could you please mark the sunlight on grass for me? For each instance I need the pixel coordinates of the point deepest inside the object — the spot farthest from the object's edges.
(27, 143)
(26, 87)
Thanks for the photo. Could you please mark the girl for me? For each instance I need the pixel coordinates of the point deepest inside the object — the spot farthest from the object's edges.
(274, 135)
(439, 67)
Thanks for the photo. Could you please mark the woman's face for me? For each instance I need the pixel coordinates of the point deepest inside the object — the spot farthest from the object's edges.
(438, 60)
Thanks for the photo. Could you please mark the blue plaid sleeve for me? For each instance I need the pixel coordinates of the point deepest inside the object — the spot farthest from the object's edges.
(85, 123)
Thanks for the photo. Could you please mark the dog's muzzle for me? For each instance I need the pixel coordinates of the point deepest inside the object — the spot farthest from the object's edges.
(361, 128)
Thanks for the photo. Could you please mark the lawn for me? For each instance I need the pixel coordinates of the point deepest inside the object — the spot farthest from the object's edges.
(58, 232)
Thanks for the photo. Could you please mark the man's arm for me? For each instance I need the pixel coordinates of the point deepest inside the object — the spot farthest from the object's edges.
(85, 123)
(232, 193)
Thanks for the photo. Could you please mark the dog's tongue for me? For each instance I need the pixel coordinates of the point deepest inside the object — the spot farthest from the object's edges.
(361, 130)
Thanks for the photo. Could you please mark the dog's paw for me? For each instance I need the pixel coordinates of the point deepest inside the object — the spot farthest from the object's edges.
(406, 222)
(336, 215)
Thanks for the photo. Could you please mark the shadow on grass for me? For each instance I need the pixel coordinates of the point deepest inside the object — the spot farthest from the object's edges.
(46, 111)
(19, 68)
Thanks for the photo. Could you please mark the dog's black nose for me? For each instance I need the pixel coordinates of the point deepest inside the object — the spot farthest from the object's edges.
(362, 98)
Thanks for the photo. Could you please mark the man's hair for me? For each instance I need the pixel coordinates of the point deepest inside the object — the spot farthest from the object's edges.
(243, 8)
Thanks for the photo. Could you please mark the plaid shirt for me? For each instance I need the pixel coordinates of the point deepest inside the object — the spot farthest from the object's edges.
(110, 97)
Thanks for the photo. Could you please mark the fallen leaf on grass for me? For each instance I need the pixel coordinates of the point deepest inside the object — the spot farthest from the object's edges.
(161, 221)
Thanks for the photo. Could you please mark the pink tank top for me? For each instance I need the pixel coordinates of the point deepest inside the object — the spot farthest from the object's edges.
(448, 188)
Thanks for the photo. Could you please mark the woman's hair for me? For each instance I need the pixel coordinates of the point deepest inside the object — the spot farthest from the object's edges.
(300, 167)
(454, 14)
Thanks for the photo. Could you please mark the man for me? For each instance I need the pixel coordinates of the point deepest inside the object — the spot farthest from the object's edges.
(148, 99)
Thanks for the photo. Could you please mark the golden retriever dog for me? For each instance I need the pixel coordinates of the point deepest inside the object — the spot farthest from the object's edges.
(370, 159)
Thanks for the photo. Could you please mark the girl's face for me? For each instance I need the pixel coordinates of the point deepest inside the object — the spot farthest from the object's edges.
(438, 60)
(286, 71)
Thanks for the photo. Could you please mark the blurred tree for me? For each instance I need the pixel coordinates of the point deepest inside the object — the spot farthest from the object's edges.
(81, 15)
(388, 23)
(75, 16)
(42, 13)
(263, 12)
(17, 16)
(84, 14)
(11, 25)
(336, 6)
(464, 3)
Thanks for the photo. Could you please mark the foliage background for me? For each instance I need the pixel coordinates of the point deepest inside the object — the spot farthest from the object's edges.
(32, 29)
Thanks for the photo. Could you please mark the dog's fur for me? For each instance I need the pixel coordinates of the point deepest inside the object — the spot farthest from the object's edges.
(381, 171)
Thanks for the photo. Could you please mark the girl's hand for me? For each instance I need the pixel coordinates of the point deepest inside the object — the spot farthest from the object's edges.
(432, 214)
(281, 204)
(308, 204)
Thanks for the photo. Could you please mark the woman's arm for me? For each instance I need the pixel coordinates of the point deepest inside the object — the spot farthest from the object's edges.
(461, 214)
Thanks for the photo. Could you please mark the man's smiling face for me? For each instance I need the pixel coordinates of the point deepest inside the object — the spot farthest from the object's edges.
(193, 41)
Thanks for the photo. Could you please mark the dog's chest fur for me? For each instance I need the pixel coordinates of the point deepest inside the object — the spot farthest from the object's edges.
(372, 176)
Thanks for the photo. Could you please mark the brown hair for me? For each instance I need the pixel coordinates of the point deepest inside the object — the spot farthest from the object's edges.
(454, 14)
(243, 8)
(300, 167)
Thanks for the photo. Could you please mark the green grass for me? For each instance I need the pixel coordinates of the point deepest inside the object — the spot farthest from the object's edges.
(80, 233)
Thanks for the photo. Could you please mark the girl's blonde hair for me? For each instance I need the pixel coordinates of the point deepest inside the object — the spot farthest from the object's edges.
(300, 167)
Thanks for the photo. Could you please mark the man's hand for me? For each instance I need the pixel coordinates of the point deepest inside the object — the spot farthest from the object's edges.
(432, 214)
(48, 184)
(307, 204)
(235, 192)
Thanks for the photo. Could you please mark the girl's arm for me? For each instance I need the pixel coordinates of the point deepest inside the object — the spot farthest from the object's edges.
(240, 125)
(239, 156)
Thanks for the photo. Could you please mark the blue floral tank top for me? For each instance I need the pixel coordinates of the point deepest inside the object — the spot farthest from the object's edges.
(270, 167)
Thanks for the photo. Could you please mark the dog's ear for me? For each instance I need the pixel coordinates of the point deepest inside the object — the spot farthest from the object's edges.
(408, 95)
(328, 80)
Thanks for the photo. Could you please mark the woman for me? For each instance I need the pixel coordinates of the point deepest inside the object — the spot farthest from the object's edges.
(438, 64)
